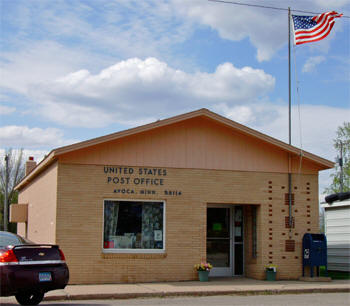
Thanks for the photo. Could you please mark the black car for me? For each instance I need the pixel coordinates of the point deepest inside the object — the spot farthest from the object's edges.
(28, 270)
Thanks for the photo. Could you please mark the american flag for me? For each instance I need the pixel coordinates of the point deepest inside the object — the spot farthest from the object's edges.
(313, 28)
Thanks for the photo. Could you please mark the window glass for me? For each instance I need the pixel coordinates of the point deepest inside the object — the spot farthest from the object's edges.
(218, 222)
(238, 224)
(133, 225)
(7, 239)
(218, 236)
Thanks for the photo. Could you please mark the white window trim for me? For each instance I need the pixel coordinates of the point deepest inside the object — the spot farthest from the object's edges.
(134, 251)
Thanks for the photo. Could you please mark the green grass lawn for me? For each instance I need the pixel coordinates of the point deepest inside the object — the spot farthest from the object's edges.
(334, 274)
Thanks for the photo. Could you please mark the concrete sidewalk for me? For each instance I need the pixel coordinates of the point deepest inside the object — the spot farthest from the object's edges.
(216, 286)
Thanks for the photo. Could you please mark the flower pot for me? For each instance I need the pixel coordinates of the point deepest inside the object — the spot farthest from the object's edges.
(203, 275)
(270, 275)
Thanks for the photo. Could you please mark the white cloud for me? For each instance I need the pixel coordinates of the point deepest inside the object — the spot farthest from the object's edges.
(64, 38)
(68, 41)
(5, 110)
(266, 29)
(312, 62)
(62, 32)
(242, 114)
(263, 28)
(147, 89)
(38, 155)
(14, 136)
(40, 61)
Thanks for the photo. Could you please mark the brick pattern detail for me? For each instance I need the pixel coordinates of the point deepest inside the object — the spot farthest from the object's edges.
(290, 246)
(270, 232)
(308, 206)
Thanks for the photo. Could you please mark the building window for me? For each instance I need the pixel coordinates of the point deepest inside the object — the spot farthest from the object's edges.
(254, 232)
(133, 226)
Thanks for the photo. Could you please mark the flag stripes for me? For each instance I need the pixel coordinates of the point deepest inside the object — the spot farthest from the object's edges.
(313, 28)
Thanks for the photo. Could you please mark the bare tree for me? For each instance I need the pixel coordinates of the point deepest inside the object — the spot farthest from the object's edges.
(12, 170)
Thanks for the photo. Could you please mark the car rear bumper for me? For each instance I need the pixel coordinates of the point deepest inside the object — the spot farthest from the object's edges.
(17, 278)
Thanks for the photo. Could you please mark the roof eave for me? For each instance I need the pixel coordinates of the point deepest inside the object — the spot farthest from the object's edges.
(54, 154)
(47, 161)
(326, 164)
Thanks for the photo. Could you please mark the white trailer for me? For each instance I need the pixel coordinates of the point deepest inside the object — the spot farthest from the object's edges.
(337, 230)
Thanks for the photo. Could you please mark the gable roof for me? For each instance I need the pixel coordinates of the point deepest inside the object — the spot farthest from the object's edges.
(55, 153)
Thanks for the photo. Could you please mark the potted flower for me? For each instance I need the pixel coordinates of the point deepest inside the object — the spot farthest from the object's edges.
(203, 270)
(271, 271)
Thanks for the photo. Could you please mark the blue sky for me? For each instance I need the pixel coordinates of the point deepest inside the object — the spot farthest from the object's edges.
(74, 70)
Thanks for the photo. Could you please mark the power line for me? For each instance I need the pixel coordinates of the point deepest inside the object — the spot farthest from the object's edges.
(267, 7)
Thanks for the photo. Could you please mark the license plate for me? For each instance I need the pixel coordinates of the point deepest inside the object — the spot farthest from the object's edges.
(45, 277)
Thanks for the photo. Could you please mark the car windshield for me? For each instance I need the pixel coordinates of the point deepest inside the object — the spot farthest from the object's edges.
(12, 239)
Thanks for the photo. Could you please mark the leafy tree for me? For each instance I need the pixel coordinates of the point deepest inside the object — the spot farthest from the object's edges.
(341, 142)
(11, 174)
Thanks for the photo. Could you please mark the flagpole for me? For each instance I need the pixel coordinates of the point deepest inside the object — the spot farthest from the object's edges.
(289, 127)
(289, 81)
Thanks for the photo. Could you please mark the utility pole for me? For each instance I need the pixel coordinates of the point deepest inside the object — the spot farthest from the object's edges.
(340, 162)
(5, 193)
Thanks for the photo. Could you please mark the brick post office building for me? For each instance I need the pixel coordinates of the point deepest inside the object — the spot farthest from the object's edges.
(148, 203)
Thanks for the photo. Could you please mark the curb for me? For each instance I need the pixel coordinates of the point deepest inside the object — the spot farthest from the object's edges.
(123, 296)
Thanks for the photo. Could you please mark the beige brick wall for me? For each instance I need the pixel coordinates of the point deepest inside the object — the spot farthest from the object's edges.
(79, 228)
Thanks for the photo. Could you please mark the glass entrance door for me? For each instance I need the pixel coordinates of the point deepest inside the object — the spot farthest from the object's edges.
(219, 241)
(225, 240)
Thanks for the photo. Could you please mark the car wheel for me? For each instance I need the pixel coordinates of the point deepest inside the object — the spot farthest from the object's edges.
(29, 298)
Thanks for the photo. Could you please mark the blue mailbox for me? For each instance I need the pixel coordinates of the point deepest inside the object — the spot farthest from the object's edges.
(314, 252)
